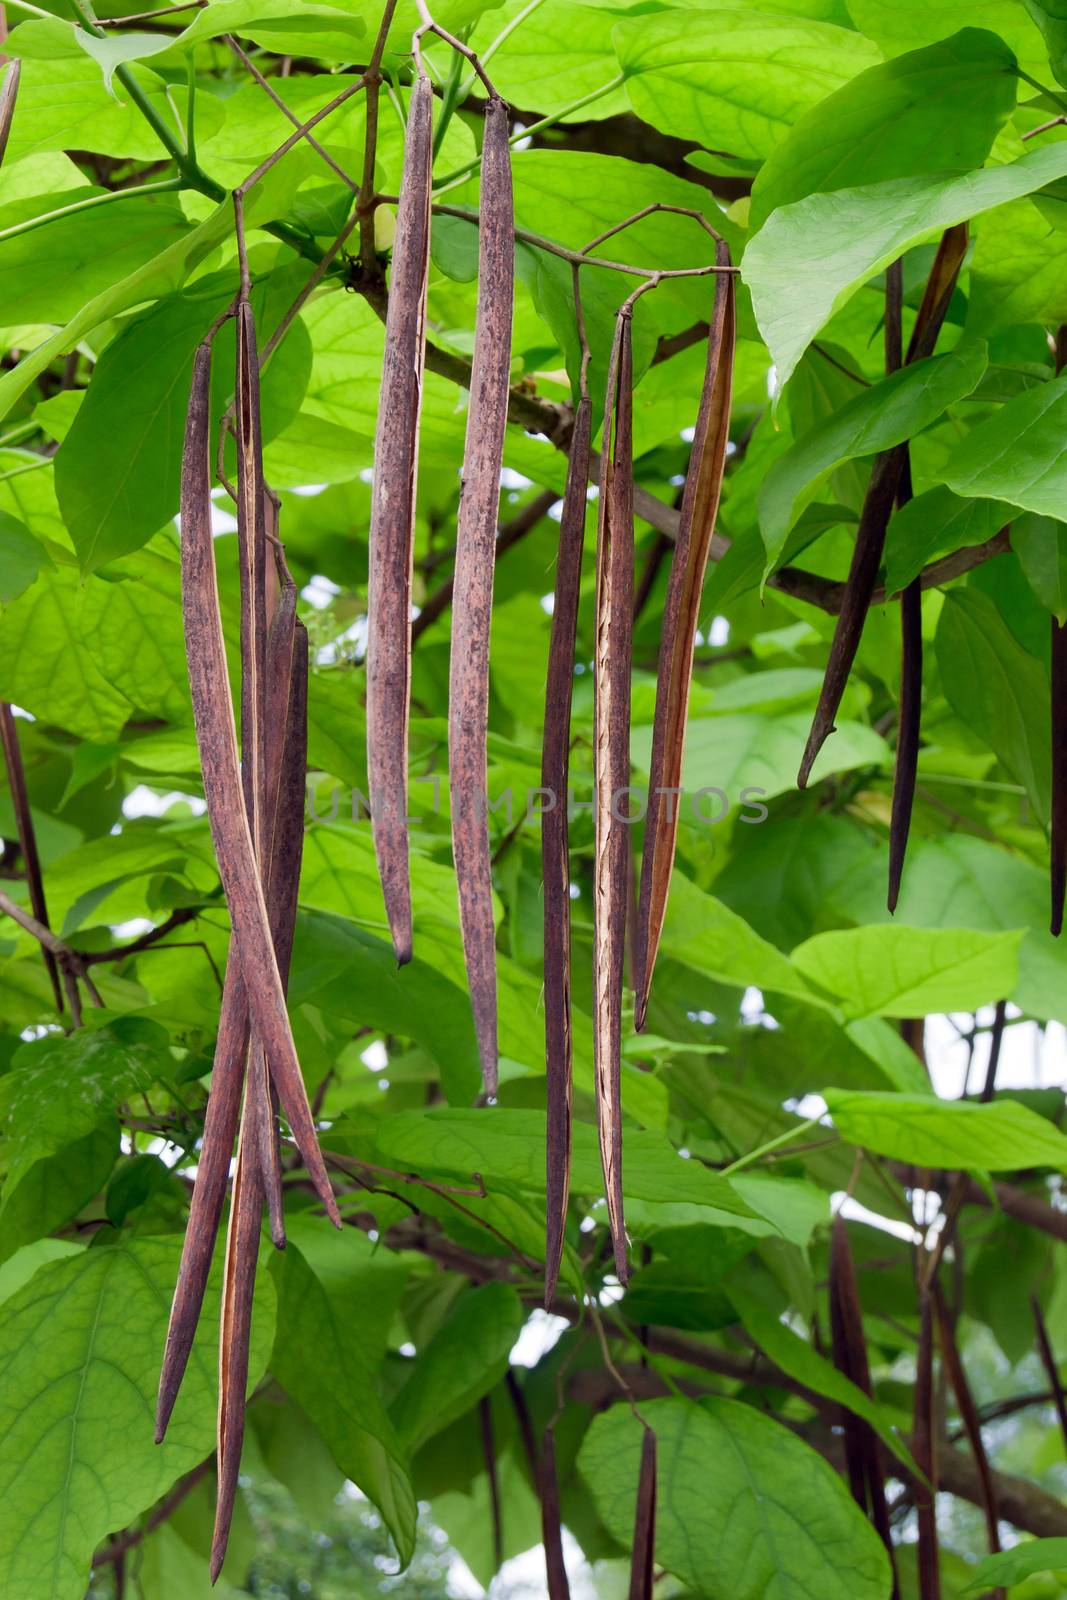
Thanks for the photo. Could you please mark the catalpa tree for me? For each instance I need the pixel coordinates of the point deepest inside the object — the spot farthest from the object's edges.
(533, 693)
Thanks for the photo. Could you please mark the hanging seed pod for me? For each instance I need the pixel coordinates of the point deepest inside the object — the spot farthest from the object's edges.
(287, 728)
(252, 548)
(908, 731)
(849, 1349)
(894, 315)
(972, 1425)
(555, 853)
(877, 507)
(8, 96)
(681, 613)
(911, 639)
(31, 861)
(551, 1522)
(485, 1425)
(213, 717)
(209, 1192)
(468, 681)
(1058, 698)
(1048, 1361)
(611, 763)
(392, 524)
(266, 665)
(924, 1449)
(238, 1285)
(644, 1523)
(1058, 820)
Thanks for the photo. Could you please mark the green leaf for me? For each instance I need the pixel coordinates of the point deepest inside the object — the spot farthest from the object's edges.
(744, 1509)
(944, 105)
(889, 412)
(115, 49)
(118, 469)
(801, 1361)
(1042, 552)
(565, 55)
(893, 971)
(1012, 1566)
(511, 1144)
(47, 274)
(285, 27)
(1018, 270)
(749, 758)
(88, 656)
(935, 524)
(336, 1297)
(961, 881)
(734, 80)
(898, 25)
(796, 1207)
(467, 1356)
(168, 1569)
(163, 274)
(1016, 454)
(21, 558)
(809, 258)
(1051, 18)
(1003, 1136)
(53, 1191)
(999, 690)
(61, 1088)
(706, 935)
(20, 1268)
(79, 1364)
(63, 104)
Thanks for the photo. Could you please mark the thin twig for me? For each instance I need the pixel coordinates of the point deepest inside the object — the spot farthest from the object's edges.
(288, 112)
(20, 804)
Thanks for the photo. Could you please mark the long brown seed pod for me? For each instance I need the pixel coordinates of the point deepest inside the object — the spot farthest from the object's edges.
(911, 638)
(257, 1137)
(287, 703)
(213, 717)
(611, 761)
(1058, 820)
(264, 696)
(227, 1079)
(392, 522)
(252, 546)
(286, 752)
(877, 507)
(849, 1350)
(555, 851)
(953, 1363)
(924, 1449)
(468, 681)
(909, 727)
(681, 613)
(1048, 1361)
(8, 96)
(239, 1279)
(644, 1539)
(209, 1191)
(1058, 696)
(551, 1522)
(31, 861)
(485, 1426)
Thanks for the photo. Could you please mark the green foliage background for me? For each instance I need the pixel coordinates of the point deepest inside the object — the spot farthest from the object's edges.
(825, 139)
